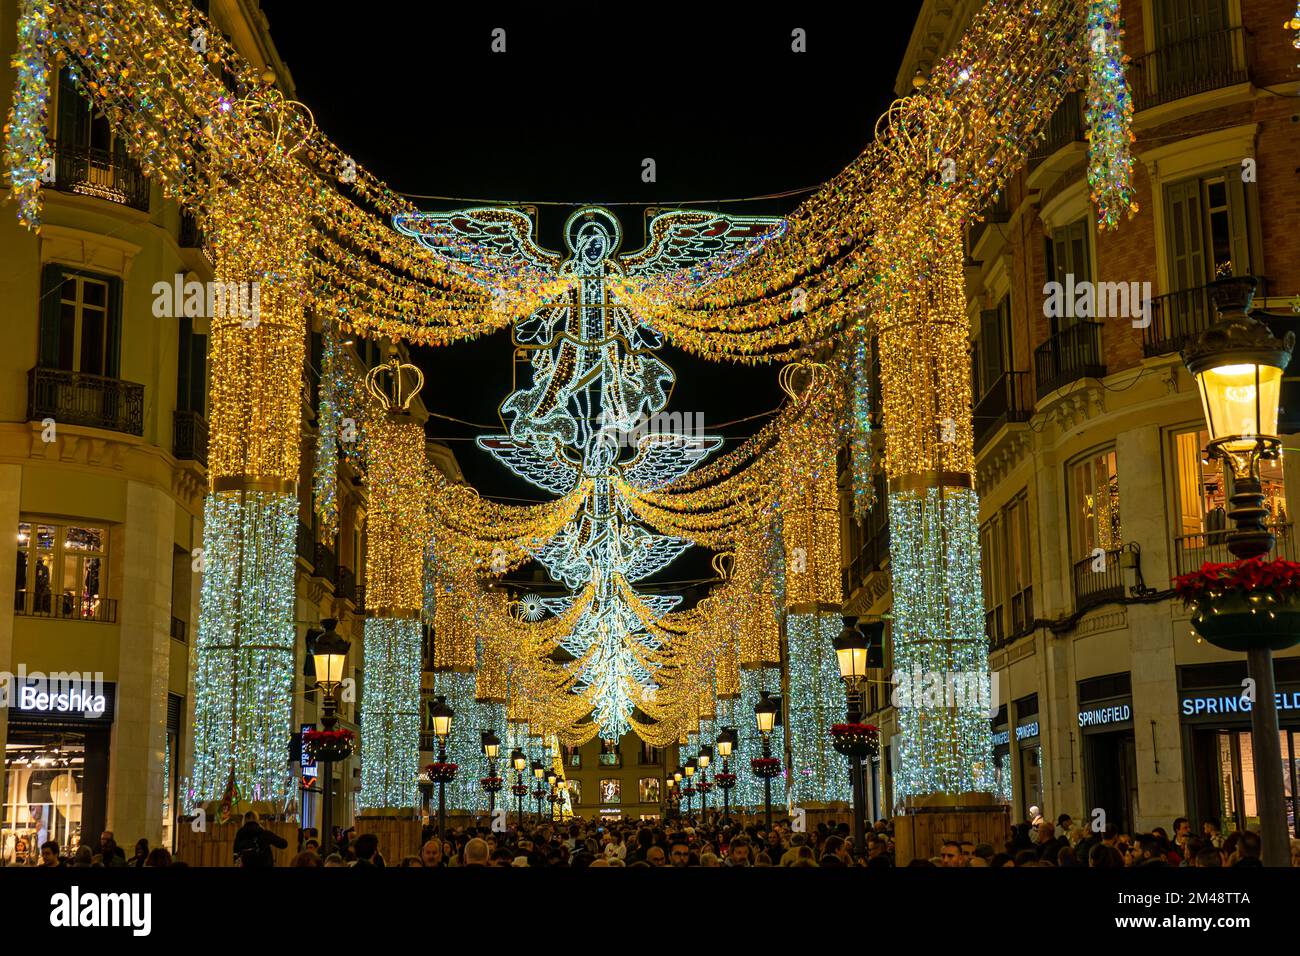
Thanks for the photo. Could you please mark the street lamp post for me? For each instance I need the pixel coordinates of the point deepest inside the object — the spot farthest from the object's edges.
(520, 762)
(705, 758)
(552, 779)
(852, 647)
(538, 793)
(329, 653)
(1237, 364)
(765, 717)
(677, 779)
(689, 789)
(441, 714)
(491, 750)
(726, 743)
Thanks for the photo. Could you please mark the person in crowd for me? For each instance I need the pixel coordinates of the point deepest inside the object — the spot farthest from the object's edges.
(950, 854)
(307, 859)
(109, 852)
(158, 856)
(1210, 831)
(431, 854)
(738, 852)
(141, 853)
(50, 854)
(476, 852)
(255, 845)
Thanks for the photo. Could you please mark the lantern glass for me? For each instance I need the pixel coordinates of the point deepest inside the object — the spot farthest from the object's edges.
(704, 761)
(724, 747)
(491, 750)
(442, 724)
(852, 661)
(1240, 402)
(329, 669)
(765, 714)
(519, 760)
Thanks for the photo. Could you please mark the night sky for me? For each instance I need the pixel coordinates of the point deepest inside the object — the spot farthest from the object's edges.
(583, 93)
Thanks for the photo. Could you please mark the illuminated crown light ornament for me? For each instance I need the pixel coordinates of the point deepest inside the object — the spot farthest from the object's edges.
(1109, 116)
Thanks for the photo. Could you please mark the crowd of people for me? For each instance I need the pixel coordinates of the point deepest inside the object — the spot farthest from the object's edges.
(686, 842)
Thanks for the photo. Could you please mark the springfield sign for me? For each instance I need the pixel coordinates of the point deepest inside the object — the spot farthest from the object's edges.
(1115, 714)
(60, 692)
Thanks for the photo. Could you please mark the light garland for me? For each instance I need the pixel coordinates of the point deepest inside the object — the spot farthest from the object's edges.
(816, 703)
(27, 152)
(325, 468)
(1109, 117)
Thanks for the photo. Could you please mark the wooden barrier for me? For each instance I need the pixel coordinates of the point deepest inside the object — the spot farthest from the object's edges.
(921, 829)
(216, 845)
(398, 833)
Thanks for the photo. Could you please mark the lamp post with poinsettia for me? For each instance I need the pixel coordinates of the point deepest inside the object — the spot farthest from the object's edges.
(726, 779)
(329, 653)
(520, 762)
(442, 772)
(853, 738)
(491, 783)
(767, 766)
(1252, 605)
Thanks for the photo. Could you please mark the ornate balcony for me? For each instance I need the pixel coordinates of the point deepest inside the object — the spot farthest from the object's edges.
(68, 606)
(1006, 401)
(94, 401)
(1068, 356)
(1197, 65)
(97, 172)
(190, 437)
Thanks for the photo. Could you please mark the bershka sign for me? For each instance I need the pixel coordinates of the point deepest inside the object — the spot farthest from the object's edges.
(58, 693)
(76, 909)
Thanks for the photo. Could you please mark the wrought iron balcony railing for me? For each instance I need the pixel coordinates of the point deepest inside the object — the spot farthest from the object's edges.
(97, 172)
(1064, 127)
(68, 606)
(190, 437)
(1069, 355)
(1193, 550)
(94, 401)
(1006, 401)
(1196, 65)
(1097, 581)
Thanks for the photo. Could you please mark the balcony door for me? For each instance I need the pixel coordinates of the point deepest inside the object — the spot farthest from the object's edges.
(80, 327)
(1179, 24)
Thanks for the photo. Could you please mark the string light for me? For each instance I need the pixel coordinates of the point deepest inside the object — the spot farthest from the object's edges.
(1109, 116)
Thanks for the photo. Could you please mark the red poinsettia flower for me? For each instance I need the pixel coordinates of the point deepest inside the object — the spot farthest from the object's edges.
(1213, 580)
(317, 738)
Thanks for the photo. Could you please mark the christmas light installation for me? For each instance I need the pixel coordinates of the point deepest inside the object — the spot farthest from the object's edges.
(325, 468)
(27, 152)
(1108, 114)
(815, 704)
(398, 535)
(245, 645)
(596, 383)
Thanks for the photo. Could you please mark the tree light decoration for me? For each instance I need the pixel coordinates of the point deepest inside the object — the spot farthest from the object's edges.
(1109, 116)
(815, 704)
(244, 649)
(390, 726)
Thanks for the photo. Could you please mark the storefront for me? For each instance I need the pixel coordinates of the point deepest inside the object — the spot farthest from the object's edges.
(1218, 750)
(1029, 753)
(1002, 765)
(56, 768)
(1105, 722)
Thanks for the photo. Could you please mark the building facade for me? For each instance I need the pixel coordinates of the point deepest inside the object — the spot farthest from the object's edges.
(1090, 435)
(103, 443)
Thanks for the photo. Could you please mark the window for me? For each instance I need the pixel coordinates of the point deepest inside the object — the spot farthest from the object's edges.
(191, 369)
(1068, 254)
(609, 755)
(572, 757)
(649, 754)
(1206, 229)
(61, 571)
(80, 321)
(1178, 25)
(611, 790)
(648, 790)
(992, 353)
(1094, 505)
(575, 791)
(1008, 573)
(1202, 522)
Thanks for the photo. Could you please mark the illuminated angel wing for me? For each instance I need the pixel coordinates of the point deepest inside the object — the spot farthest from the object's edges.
(684, 238)
(544, 471)
(489, 238)
(664, 456)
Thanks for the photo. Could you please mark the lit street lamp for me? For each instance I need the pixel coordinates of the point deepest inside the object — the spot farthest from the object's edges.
(491, 750)
(441, 714)
(329, 654)
(765, 717)
(852, 649)
(520, 762)
(1237, 364)
(705, 758)
(538, 793)
(726, 744)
